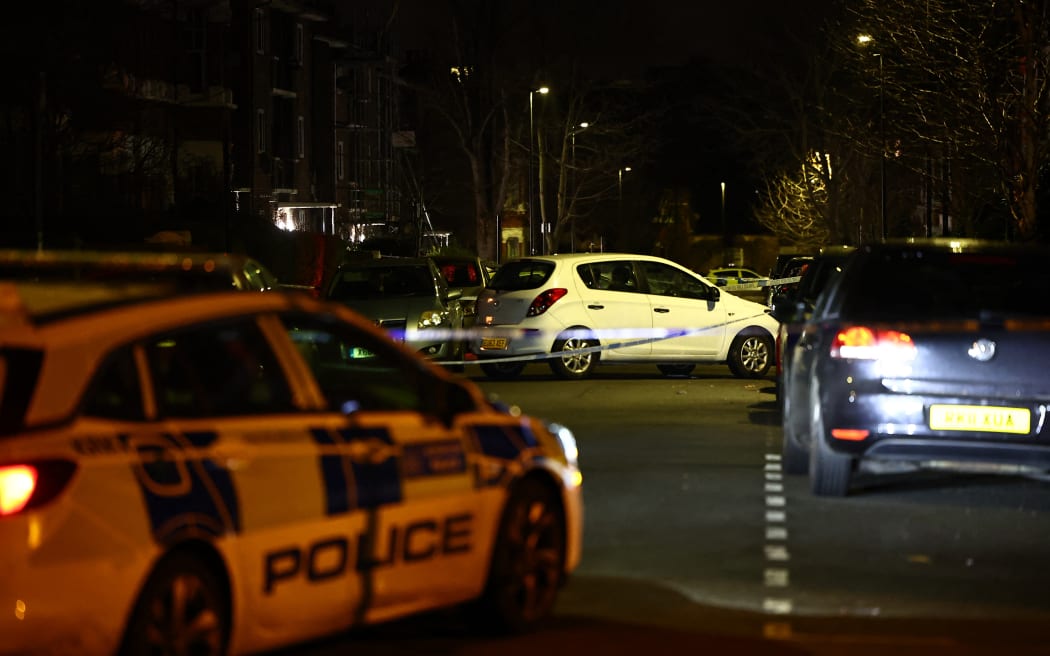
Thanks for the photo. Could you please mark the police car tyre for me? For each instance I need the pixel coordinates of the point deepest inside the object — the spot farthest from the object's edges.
(527, 561)
(182, 609)
(574, 365)
(502, 370)
(676, 369)
(750, 356)
(829, 472)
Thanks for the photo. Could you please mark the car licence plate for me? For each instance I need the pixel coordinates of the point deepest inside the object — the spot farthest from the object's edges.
(494, 343)
(986, 418)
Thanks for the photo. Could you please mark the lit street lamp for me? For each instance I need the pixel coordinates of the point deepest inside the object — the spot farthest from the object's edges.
(532, 131)
(619, 189)
(572, 214)
(723, 209)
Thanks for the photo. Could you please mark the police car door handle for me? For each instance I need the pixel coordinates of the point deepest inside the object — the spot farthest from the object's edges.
(595, 306)
(662, 310)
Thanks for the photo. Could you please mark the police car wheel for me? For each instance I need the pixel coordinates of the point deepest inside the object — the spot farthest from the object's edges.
(182, 609)
(570, 365)
(502, 370)
(527, 562)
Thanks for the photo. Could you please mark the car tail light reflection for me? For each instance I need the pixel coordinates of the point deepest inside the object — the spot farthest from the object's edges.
(29, 485)
(863, 343)
(544, 301)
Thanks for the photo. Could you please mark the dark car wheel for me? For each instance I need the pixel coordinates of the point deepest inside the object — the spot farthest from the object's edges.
(502, 370)
(750, 356)
(570, 365)
(182, 610)
(794, 458)
(829, 472)
(527, 561)
(676, 369)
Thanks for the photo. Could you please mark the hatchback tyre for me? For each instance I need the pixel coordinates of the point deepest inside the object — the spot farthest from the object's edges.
(750, 356)
(502, 370)
(570, 365)
(829, 472)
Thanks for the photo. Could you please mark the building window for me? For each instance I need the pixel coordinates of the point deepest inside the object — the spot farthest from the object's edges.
(260, 31)
(300, 137)
(340, 172)
(260, 131)
(300, 44)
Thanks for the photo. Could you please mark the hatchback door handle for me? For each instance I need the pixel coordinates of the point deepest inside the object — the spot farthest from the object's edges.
(595, 307)
(661, 310)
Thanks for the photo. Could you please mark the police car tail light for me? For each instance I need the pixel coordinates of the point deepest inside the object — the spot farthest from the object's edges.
(544, 301)
(863, 343)
(31, 485)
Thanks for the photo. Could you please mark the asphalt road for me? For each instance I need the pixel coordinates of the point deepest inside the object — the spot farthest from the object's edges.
(695, 541)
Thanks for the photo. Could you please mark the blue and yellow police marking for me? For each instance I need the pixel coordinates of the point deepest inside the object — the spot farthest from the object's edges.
(369, 480)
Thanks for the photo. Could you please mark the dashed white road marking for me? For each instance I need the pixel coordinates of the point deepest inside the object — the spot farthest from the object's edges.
(776, 533)
(776, 578)
(775, 549)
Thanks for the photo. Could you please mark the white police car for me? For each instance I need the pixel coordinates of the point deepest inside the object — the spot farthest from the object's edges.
(236, 472)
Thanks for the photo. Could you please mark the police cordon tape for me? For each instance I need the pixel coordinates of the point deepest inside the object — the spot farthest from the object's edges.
(645, 336)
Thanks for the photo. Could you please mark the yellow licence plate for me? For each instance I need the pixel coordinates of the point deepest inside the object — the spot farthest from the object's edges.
(494, 343)
(986, 418)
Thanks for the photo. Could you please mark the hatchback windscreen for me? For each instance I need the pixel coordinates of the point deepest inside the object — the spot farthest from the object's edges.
(948, 285)
(522, 274)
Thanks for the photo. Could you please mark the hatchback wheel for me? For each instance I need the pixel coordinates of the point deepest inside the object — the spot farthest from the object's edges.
(750, 356)
(567, 363)
(676, 369)
(526, 569)
(502, 370)
(182, 610)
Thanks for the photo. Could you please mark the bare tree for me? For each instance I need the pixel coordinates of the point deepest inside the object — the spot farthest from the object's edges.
(965, 79)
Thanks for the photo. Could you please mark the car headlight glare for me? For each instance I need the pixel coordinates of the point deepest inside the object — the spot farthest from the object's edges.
(568, 443)
(431, 318)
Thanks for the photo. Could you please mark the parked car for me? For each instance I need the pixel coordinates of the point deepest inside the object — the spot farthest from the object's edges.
(793, 307)
(182, 271)
(408, 297)
(467, 274)
(574, 310)
(745, 283)
(234, 473)
(787, 277)
(923, 354)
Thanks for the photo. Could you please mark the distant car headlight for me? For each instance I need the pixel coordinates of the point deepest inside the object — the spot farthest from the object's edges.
(431, 318)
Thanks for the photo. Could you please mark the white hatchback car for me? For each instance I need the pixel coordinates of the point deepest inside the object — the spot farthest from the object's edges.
(576, 309)
(231, 473)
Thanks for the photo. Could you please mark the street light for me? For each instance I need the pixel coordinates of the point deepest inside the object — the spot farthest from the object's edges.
(572, 215)
(723, 209)
(864, 40)
(619, 189)
(532, 130)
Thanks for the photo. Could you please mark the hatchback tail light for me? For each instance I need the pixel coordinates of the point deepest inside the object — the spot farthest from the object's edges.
(544, 301)
(30, 485)
(863, 343)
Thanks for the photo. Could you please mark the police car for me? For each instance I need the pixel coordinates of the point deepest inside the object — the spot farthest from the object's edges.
(228, 473)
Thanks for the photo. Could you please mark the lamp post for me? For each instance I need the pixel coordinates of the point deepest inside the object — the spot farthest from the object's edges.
(723, 209)
(865, 40)
(572, 214)
(619, 193)
(532, 130)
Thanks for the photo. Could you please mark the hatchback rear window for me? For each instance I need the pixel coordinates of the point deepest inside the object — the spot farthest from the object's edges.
(522, 274)
(952, 285)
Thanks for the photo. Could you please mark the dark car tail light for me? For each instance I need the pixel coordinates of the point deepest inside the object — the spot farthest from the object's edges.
(24, 486)
(544, 301)
(863, 343)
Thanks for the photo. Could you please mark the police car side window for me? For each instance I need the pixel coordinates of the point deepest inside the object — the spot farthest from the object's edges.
(216, 370)
(355, 371)
(114, 393)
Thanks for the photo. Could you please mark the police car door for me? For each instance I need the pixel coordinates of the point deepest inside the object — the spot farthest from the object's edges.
(395, 471)
(683, 305)
(238, 464)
